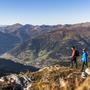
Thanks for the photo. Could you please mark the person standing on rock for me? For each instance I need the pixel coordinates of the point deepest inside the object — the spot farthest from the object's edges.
(84, 59)
(75, 54)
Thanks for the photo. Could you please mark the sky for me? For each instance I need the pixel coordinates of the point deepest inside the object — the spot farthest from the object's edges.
(49, 12)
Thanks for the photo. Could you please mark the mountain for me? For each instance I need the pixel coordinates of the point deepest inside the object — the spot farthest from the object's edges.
(53, 46)
(7, 41)
(13, 35)
(10, 28)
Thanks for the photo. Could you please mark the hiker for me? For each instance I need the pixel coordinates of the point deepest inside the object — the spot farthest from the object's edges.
(84, 59)
(75, 54)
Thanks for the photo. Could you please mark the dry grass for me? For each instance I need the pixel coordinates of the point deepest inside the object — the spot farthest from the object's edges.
(56, 78)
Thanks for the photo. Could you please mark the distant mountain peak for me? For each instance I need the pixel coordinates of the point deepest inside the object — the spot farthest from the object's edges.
(16, 24)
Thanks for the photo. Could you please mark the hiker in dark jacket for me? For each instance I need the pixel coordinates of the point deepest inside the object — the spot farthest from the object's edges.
(84, 59)
(74, 57)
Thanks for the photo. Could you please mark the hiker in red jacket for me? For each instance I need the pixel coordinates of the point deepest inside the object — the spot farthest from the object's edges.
(74, 57)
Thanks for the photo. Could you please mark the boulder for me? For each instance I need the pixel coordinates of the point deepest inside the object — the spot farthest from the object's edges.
(87, 71)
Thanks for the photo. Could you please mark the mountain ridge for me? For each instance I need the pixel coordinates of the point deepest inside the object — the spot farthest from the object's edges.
(52, 45)
(40, 43)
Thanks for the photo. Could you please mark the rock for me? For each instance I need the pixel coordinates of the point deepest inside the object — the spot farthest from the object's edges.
(17, 81)
(83, 75)
(87, 71)
(28, 87)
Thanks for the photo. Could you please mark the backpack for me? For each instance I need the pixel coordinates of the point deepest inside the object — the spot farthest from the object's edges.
(77, 53)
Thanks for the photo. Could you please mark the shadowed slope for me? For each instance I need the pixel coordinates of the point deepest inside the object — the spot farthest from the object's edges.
(8, 66)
